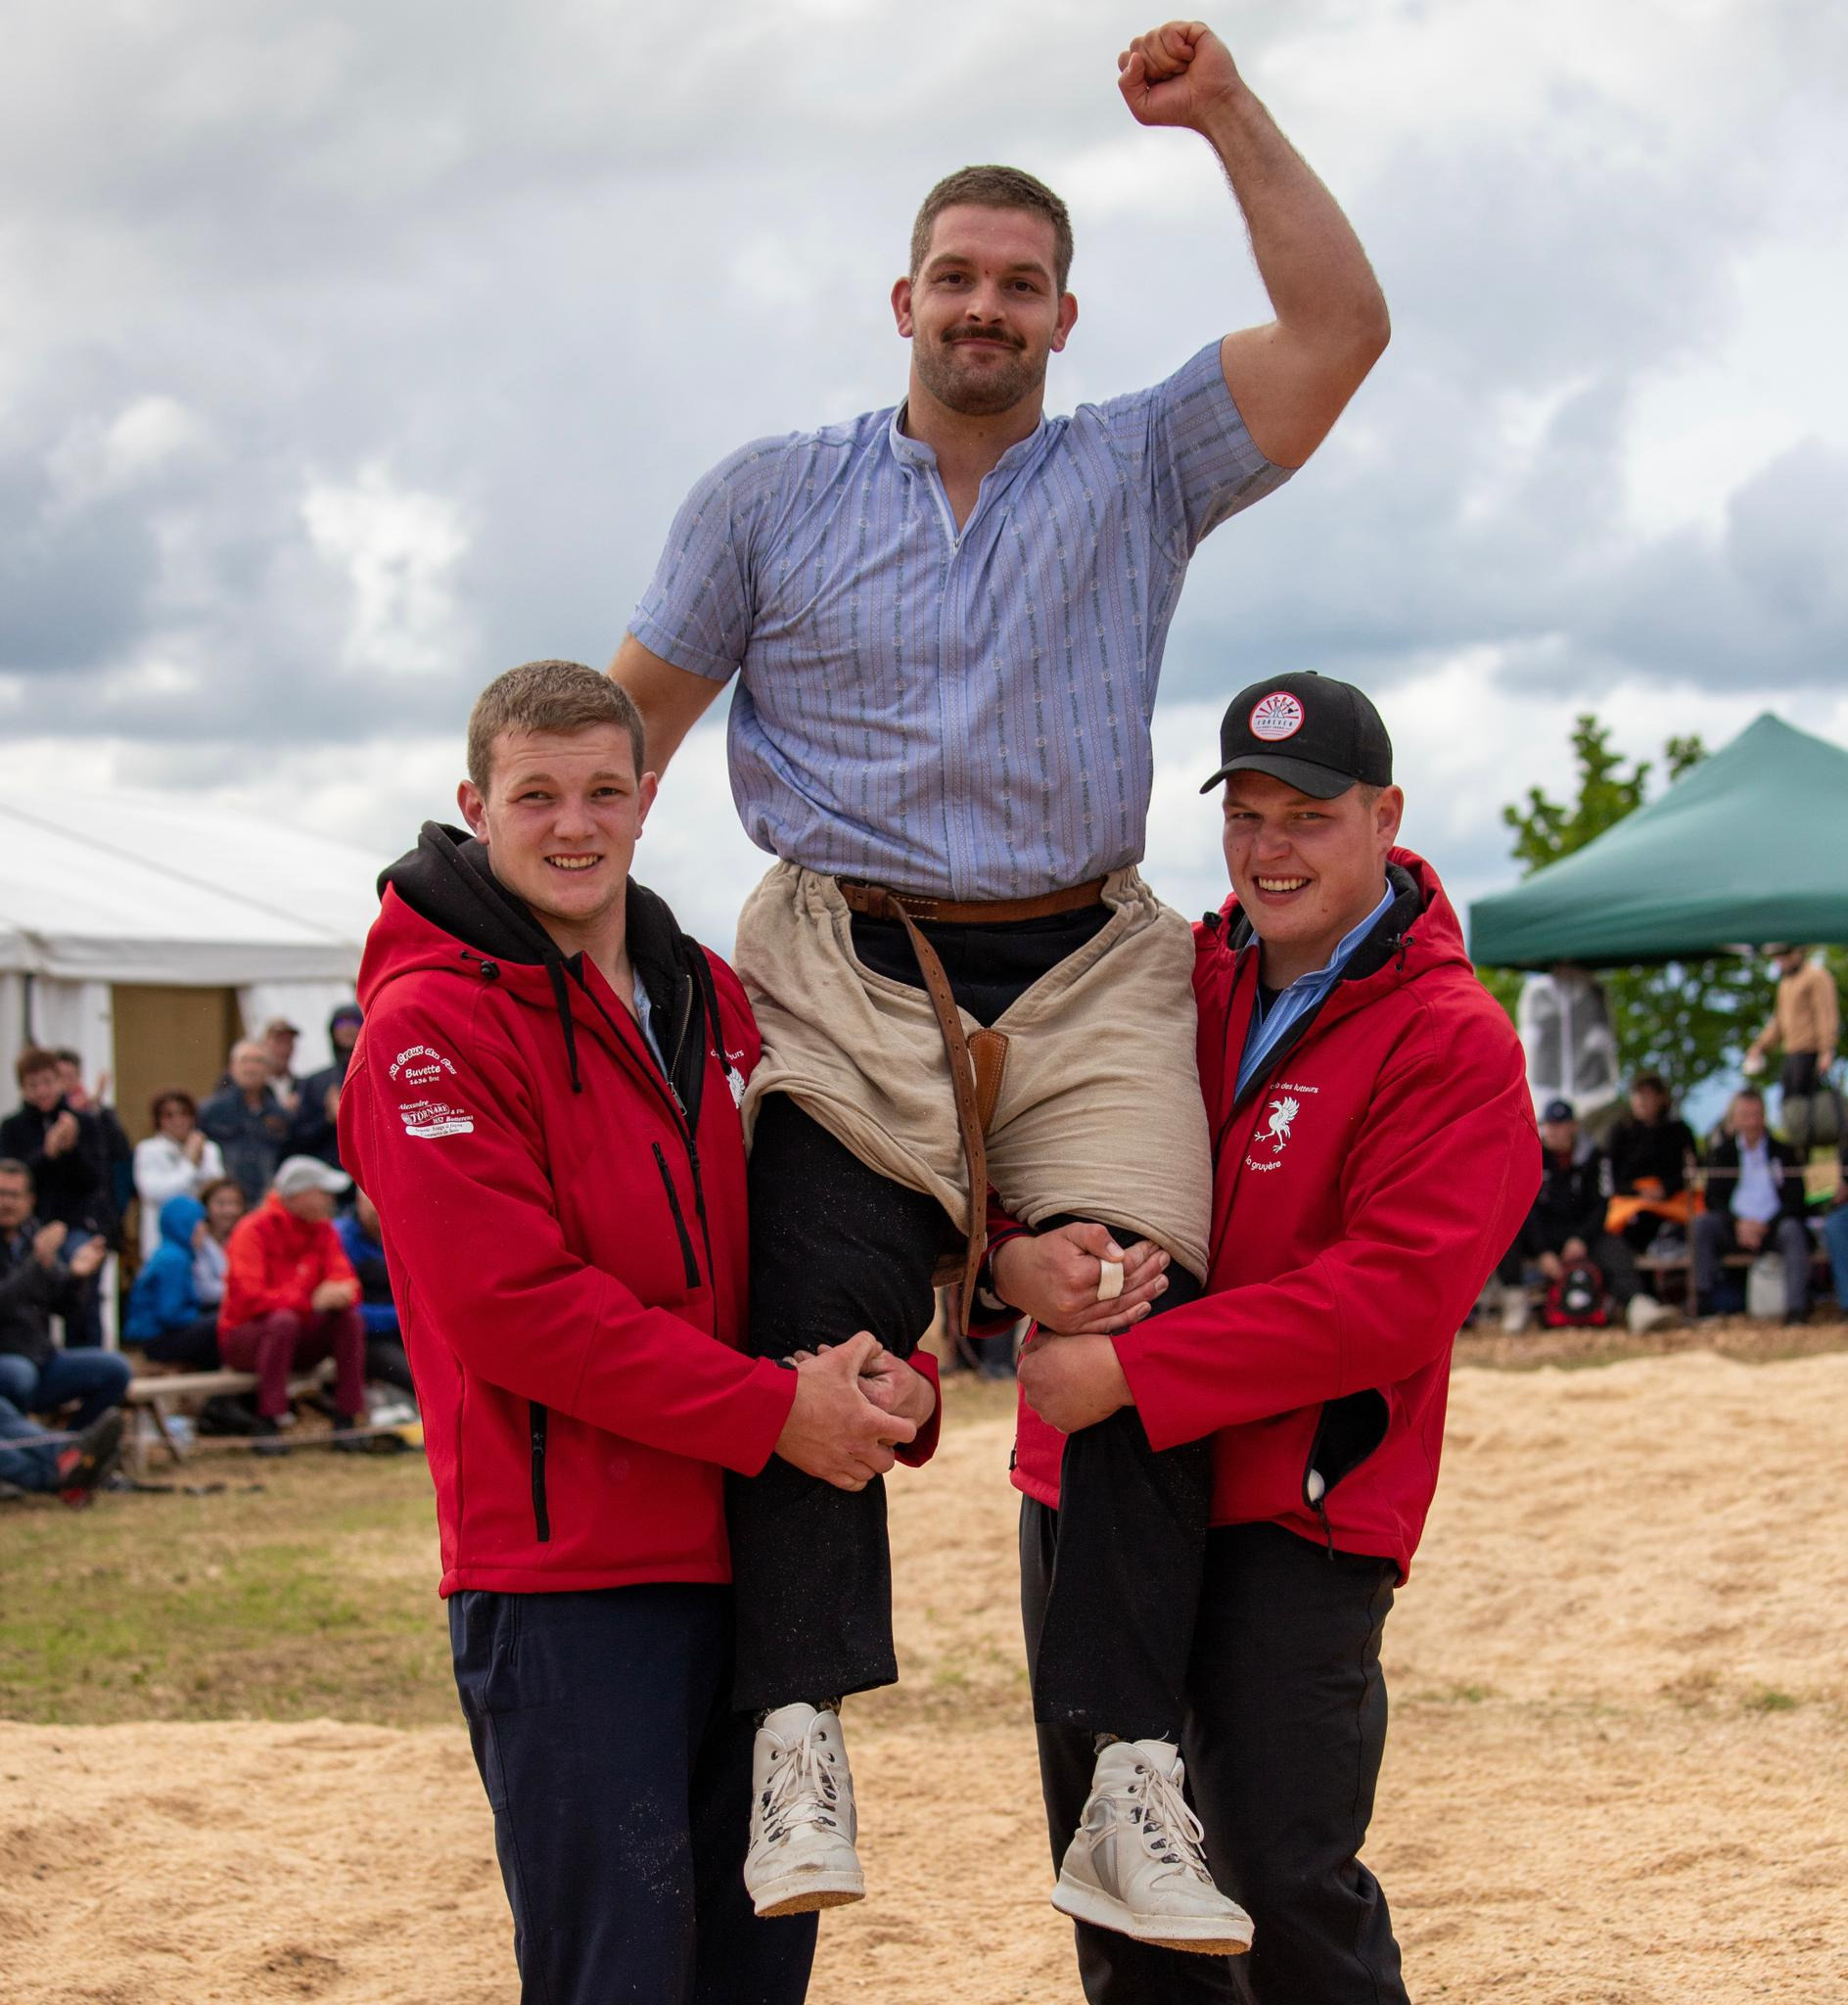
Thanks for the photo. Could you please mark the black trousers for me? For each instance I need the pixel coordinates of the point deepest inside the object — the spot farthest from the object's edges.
(620, 1780)
(193, 1344)
(1283, 1736)
(836, 1247)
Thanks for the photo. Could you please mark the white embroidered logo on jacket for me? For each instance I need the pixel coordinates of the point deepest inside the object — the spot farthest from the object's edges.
(1278, 1129)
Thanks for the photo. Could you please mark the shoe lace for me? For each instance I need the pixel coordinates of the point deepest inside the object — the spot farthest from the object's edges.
(1171, 1831)
(801, 1789)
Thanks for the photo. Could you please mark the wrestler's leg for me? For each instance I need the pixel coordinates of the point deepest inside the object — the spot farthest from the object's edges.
(1131, 1542)
(835, 1248)
(1111, 1642)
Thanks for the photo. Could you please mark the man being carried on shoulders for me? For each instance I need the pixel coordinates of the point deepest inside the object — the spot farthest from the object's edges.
(948, 620)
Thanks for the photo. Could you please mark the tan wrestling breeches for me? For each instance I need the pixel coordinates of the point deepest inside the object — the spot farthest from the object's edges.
(1099, 1110)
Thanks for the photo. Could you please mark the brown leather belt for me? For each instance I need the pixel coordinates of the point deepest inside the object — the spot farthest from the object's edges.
(875, 900)
(978, 1057)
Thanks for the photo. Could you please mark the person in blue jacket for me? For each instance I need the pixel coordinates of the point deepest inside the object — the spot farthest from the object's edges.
(385, 1362)
(165, 1317)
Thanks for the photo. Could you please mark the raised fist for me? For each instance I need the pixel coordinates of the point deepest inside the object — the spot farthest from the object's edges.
(61, 1136)
(1173, 76)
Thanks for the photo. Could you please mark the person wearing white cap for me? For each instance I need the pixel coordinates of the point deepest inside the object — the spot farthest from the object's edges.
(291, 1298)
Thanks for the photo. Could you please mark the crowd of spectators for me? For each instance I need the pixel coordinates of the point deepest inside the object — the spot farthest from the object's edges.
(1600, 1209)
(253, 1253)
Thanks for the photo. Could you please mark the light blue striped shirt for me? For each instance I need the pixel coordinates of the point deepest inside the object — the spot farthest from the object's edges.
(961, 714)
(1267, 1028)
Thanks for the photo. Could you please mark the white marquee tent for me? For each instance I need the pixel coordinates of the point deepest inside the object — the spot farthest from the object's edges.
(158, 893)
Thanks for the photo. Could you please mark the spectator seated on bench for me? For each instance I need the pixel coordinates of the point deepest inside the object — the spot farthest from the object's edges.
(1652, 1157)
(359, 1239)
(225, 1206)
(33, 1460)
(165, 1318)
(1566, 1227)
(1755, 1203)
(291, 1298)
(45, 1271)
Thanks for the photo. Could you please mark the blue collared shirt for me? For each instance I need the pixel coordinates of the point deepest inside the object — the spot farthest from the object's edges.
(1268, 1026)
(1755, 1195)
(962, 713)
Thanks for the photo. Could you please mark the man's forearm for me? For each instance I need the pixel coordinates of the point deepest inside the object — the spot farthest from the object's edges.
(1317, 277)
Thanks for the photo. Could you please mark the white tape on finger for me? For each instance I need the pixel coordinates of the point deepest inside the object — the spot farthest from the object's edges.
(1109, 1281)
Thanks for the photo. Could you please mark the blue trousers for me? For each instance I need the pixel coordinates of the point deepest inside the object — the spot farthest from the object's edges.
(619, 1779)
(27, 1459)
(1835, 1236)
(97, 1377)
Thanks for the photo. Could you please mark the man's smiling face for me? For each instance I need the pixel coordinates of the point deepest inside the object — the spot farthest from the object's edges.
(560, 817)
(1306, 870)
(983, 311)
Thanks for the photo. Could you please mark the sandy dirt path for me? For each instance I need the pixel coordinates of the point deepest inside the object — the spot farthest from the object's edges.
(1618, 1772)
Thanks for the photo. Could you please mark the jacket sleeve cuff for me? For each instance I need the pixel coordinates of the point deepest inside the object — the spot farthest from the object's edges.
(763, 1400)
(1168, 1415)
(923, 1444)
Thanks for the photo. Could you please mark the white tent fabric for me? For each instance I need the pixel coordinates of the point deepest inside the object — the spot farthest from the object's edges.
(130, 887)
(140, 887)
(77, 1016)
(306, 1004)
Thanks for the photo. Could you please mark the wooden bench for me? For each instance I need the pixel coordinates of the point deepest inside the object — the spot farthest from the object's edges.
(151, 1396)
(1680, 1272)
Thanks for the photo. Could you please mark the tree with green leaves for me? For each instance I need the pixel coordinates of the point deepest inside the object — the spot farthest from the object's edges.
(1685, 1019)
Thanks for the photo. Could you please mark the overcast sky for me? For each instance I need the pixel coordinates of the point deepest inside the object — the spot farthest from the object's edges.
(351, 354)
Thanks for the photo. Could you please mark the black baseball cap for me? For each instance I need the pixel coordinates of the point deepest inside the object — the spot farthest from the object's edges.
(1558, 1110)
(1314, 733)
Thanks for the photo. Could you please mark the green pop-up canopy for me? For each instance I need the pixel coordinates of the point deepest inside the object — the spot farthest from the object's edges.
(1750, 846)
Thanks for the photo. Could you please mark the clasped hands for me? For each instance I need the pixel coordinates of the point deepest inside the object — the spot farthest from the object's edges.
(855, 1404)
(1069, 1371)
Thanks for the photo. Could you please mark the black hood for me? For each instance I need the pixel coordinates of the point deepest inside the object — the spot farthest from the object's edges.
(446, 880)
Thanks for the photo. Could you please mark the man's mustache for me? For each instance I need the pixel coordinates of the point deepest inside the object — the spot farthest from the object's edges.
(993, 334)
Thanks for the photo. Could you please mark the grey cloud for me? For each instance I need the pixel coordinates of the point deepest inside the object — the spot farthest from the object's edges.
(532, 264)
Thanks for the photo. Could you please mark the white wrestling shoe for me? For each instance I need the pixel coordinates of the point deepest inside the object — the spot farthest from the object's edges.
(803, 1825)
(1135, 1864)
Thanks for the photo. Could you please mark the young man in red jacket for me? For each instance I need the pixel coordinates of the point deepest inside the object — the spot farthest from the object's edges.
(1373, 1153)
(542, 1105)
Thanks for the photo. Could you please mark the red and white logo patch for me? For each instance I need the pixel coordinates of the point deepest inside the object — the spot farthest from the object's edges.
(1275, 717)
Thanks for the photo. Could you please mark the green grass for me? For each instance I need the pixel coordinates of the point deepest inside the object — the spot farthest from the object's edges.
(306, 1587)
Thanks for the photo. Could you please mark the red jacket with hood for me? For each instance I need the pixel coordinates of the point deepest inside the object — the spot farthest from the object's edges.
(274, 1260)
(565, 1230)
(1364, 1187)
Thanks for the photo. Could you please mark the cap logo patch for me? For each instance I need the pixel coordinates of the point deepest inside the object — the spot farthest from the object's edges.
(1276, 717)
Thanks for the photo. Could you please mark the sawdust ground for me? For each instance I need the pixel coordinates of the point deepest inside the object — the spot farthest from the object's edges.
(1618, 1772)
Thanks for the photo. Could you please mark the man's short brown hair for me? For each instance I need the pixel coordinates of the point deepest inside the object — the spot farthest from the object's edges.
(34, 1059)
(995, 188)
(549, 696)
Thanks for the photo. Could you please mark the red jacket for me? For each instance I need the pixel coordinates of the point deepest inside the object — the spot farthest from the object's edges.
(274, 1260)
(565, 1230)
(1362, 1190)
